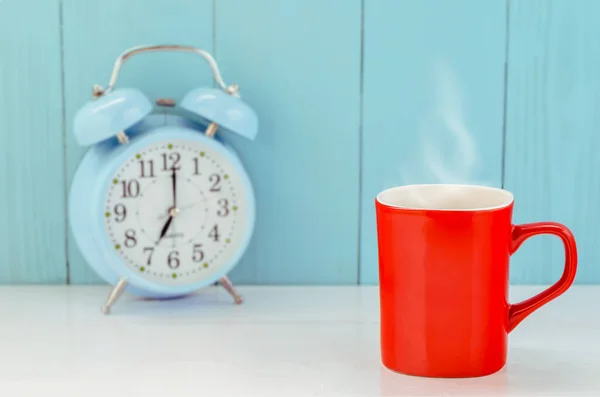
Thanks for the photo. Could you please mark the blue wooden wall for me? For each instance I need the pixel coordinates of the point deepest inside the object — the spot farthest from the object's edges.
(352, 98)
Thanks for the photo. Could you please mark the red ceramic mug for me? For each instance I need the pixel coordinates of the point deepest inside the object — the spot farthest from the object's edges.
(444, 254)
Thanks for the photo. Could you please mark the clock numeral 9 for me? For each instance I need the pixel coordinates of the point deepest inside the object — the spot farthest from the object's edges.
(120, 212)
(130, 189)
(173, 260)
(224, 210)
(130, 240)
(197, 253)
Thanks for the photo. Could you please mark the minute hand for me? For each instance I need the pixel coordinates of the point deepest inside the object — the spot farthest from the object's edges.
(174, 187)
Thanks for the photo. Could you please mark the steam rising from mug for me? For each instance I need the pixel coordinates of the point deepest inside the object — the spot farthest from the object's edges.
(448, 149)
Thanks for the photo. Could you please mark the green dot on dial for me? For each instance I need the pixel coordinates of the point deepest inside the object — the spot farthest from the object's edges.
(117, 247)
(201, 154)
(235, 207)
(142, 269)
(225, 176)
(170, 146)
(228, 240)
(205, 264)
(115, 181)
(138, 156)
(174, 275)
(107, 214)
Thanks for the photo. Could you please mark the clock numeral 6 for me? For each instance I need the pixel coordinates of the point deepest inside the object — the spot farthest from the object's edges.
(173, 260)
(197, 253)
(130, 240)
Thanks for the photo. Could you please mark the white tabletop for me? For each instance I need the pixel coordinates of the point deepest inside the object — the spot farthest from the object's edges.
(283, 341)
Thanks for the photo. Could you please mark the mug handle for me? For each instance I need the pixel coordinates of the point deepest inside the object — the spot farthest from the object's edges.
(519, 311)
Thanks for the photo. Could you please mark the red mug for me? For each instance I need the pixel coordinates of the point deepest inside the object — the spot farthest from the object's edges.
(444, 253)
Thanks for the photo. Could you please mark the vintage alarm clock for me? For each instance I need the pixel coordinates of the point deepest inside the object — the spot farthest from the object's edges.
(160, 206)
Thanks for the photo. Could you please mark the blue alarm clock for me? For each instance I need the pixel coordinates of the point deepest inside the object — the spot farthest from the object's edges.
(160, 206)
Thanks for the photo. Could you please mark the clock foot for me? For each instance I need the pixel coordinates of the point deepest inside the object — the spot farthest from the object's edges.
(114, 295)
(228, 285)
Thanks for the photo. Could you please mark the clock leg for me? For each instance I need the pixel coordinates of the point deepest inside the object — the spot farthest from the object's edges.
(227, 284)
(114, 295)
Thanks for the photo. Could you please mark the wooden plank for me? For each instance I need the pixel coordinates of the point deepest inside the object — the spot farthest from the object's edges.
(298, 65)
(433, 100)
(551, 138)
(32, 231)
(96, 33)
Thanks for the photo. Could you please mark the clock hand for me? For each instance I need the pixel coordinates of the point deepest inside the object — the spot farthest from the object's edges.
(164, 229)
(173, 211)
(186, 207)
(174, 187)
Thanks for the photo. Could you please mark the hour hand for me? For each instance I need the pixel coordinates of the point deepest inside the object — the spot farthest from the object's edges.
(164, 229)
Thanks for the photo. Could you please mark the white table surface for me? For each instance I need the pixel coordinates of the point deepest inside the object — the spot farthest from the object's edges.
(283, 341)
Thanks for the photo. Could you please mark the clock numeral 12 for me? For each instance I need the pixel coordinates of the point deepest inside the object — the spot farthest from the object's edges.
(174, 157)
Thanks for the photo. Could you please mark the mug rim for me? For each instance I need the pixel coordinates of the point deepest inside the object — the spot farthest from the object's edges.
(508, 197)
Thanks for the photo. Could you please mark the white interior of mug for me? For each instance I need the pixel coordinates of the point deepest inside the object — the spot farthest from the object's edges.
(446, 197)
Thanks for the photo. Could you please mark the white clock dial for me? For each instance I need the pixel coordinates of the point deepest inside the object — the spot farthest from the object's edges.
(175, 212)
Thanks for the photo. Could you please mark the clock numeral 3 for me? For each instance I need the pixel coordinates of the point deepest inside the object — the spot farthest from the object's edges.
(173, 260)
(130, 189)
(130, 240)
(224, 210)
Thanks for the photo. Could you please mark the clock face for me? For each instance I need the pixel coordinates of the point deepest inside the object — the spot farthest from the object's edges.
(175, 212)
